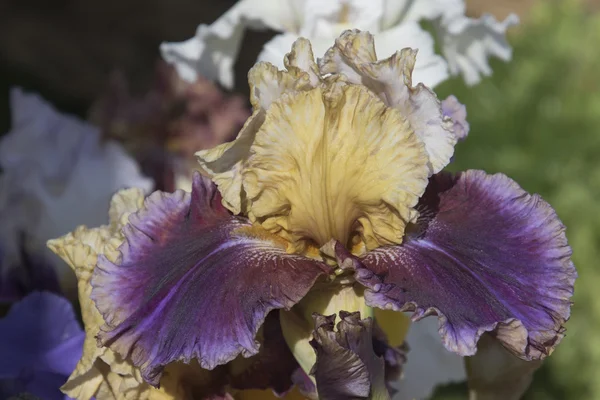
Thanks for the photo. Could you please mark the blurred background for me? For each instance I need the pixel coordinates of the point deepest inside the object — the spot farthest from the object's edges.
(537, 118)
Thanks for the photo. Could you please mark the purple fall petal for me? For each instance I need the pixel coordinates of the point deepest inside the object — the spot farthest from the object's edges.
(487, 257)
(40, 344)
(194, 282)
(347, 366)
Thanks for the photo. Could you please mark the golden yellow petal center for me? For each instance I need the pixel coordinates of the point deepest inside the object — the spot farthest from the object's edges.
(334, 163)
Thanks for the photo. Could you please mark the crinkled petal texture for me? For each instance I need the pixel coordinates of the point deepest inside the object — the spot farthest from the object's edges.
(353, 56)
(40, 343)
(324, 165)
(488, 257)
(192, 281)
(347, 366)
(100, 372)
(315, 160)
(321, 158)
(224, 163)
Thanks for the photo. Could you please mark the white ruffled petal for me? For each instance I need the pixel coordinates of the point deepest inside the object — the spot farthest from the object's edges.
(468, 43)
(402, 11)
(213, 51)
(327, 19)
(275, 49)
(430, 68)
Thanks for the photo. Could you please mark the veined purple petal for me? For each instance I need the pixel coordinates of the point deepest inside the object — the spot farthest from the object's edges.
(346, 366)
(194, 282)
(393, 358)
(487, 257)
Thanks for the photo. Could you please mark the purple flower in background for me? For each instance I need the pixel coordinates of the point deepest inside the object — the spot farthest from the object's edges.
(331, 200)
(40, 344)
(165, 127)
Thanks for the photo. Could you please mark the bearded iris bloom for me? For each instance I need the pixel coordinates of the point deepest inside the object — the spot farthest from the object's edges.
(330, 201)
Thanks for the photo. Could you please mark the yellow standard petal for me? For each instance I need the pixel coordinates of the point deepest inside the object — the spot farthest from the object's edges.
(335, 163)
(100, 372)
(224, 163)
(353, 56)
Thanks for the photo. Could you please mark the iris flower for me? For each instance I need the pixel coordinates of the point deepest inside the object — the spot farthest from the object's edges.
(40, 343)
(465, 43)
(56, 174)
(329, 205)
(163, 128)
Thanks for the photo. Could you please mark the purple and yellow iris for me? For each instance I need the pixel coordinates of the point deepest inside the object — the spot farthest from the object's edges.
(331, 200)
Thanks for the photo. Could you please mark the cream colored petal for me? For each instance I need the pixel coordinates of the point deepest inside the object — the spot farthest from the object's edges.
(123, 203)
(467, 44)
(100, 372)
(213, 51)
(267, 83)
(224, 163)
(276, 50)
(302, 57)
(324, 166)
(391, 79)
(351, 51)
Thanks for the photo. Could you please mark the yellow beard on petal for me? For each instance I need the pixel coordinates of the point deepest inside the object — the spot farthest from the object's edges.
(334, 163)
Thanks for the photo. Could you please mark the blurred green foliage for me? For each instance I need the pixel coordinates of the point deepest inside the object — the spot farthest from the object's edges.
(537, 119)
